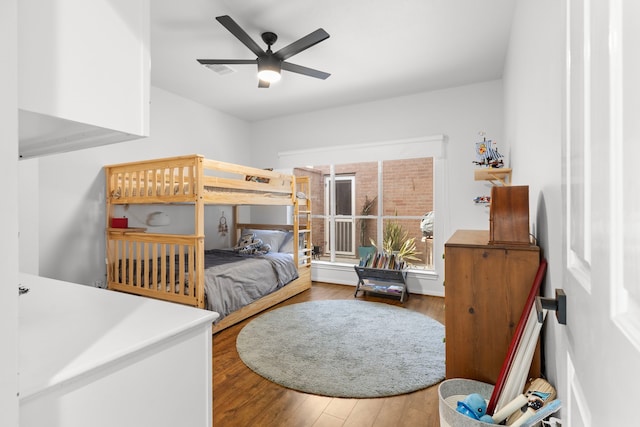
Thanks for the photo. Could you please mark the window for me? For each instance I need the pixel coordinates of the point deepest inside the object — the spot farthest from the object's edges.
(355, 203)
(426, 279)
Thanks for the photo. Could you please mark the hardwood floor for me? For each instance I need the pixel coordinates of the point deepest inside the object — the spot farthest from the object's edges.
(242, 398)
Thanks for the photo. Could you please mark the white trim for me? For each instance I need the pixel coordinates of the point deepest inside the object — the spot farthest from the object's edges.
(625, 307)
(411, 148)
(578, 264)
(578, 410)
(586, 114)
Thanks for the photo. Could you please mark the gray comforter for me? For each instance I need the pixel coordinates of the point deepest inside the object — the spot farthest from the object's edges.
(233, 280)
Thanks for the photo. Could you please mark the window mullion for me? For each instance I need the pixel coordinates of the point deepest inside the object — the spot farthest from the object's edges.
(332, 212)
(379, 221)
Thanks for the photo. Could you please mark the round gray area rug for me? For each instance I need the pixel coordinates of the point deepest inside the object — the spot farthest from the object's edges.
(345, 348)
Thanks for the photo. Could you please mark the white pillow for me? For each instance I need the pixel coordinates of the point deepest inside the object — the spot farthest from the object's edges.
(274, 238)
(287, 245)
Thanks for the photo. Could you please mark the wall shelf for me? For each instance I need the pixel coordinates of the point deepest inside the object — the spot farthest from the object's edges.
(493, 175)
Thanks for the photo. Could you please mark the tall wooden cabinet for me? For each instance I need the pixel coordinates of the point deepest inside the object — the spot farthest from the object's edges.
(486, 287)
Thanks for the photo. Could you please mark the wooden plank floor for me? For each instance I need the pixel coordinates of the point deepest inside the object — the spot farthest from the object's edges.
(242, 398)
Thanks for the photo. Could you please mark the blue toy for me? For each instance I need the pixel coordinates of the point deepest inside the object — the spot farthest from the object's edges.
(487, 419)
(474, 406)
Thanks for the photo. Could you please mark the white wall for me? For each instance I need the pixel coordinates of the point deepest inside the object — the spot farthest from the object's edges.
(459, 113)
(9, 215)
(70, 187)
(533, 89)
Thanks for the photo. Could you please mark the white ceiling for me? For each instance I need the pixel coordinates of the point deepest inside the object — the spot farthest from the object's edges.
(377, 49)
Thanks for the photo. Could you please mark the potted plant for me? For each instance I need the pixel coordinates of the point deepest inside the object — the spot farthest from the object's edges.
(395, 240)
(367, 207)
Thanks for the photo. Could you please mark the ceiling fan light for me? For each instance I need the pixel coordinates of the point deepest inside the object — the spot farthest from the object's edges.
(269, 69)
(269, 75)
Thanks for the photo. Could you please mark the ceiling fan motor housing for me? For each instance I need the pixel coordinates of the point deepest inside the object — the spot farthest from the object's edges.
(269, 61)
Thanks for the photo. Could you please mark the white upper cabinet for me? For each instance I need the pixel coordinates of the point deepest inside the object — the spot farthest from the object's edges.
(84, 73)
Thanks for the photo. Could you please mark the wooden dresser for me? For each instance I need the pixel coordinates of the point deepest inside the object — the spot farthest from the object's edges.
(486, 287)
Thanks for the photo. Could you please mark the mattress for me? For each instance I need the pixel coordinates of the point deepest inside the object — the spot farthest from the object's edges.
(233, 280)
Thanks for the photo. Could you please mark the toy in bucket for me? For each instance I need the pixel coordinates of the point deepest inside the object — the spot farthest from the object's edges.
(524, 406)
(474, 406)
(462, 404)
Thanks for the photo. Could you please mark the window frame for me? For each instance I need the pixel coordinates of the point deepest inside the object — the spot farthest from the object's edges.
(419, 281)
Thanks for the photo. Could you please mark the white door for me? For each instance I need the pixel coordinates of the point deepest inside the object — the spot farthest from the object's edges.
(344, 214)
(602, 214)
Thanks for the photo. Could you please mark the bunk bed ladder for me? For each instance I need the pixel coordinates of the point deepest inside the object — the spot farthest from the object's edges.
(302, 220)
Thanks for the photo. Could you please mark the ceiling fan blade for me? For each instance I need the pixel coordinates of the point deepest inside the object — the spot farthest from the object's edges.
(294, 68)
(263, 84)
(240, 34)
(227, 61)
(304, 43)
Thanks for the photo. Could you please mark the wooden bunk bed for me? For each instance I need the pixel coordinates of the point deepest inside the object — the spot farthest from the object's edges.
(175, 264)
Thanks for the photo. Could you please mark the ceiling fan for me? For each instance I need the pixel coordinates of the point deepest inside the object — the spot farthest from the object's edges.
(271, 64)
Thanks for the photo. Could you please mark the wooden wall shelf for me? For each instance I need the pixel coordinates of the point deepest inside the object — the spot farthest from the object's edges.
(493, 175)
(126, 230)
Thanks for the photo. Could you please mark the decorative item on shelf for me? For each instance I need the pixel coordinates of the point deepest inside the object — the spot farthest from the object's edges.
(223, 228)
(487, 154)
(491, 164)
(482, 200)
(120, 222)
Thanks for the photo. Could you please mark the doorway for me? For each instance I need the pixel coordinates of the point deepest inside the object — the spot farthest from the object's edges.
(344, 214)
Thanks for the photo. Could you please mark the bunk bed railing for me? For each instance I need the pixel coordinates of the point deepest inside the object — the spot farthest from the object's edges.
(246, 185)
(154, 181)
(184, 179)
(162, 266)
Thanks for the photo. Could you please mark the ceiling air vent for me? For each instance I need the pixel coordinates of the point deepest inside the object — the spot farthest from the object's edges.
(220, 69)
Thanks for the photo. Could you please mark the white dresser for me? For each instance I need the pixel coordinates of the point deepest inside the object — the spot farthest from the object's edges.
(92, 357)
